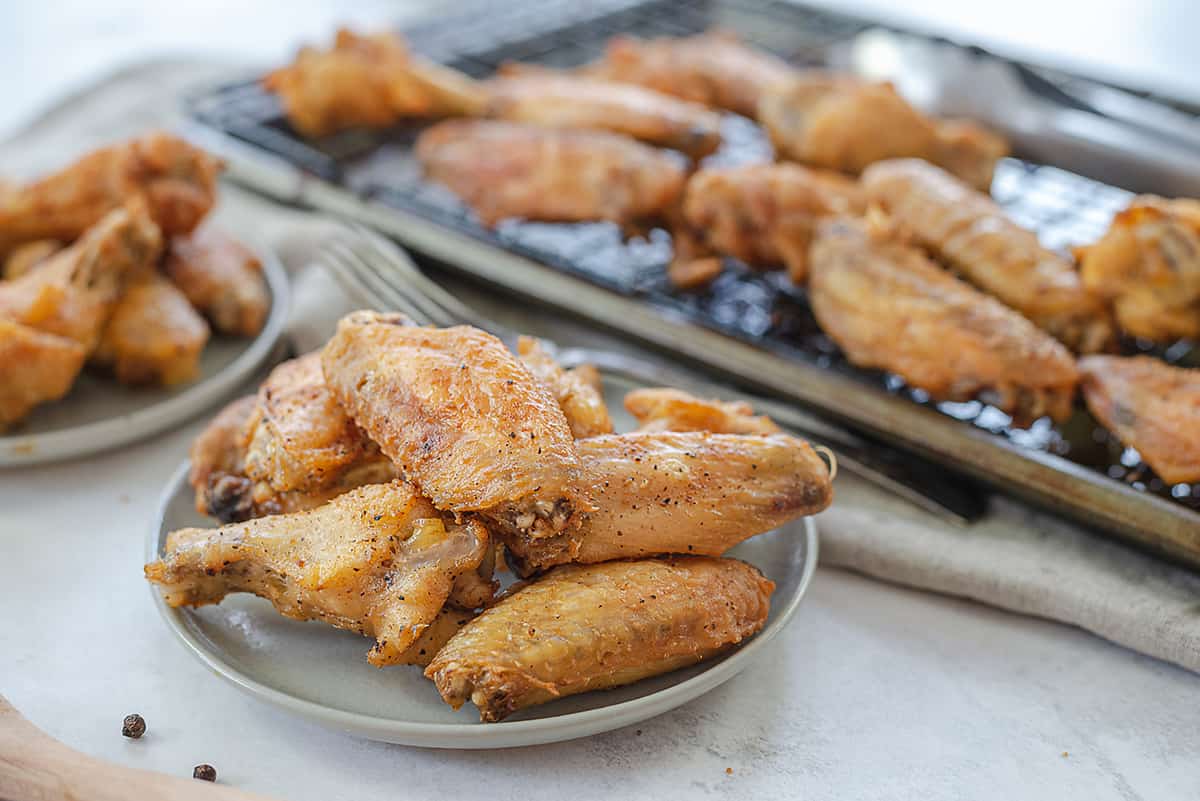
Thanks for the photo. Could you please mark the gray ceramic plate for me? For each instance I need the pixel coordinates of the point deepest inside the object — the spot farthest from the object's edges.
(99, 413)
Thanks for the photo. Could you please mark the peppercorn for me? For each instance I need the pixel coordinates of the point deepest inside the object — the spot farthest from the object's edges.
(205, 773)
(133, 727)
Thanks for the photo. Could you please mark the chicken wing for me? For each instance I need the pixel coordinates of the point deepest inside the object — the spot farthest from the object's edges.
(888, 306)
(715, 69)
(666, 409)
(1148, 265)
(505, 169)
(153, 336)
(177, 181)
(379, 560)
(840, 122)
(970, 233)
(577, 395)
(35, 367)
(1152, 407)
(662, 492)
(368, 81)
(24, 258)
(222, 279)
(581, 628)
(73, 294)
(217, 475)
(764, 214)
(464, 420)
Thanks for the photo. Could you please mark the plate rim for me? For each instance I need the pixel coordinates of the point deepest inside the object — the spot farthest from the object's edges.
(124, 429)
(474, 735)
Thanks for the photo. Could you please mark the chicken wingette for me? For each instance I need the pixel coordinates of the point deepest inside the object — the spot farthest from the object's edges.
(221, 278)
(666, 409)
(35, 367)
(580, 399)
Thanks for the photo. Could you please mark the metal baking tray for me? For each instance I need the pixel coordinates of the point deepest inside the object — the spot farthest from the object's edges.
(753, 328)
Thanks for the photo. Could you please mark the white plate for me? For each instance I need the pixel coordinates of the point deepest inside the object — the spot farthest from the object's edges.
(100, 413)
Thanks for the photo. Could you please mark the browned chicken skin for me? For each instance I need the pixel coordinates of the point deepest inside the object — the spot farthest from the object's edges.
(666, 409)
(35, 367)
(221, 278)
(1152, 407)
(503, 169)
(593, 627)
(577, 394)
(966, 230)
(888, 306)
(217, 474)
(25, 257)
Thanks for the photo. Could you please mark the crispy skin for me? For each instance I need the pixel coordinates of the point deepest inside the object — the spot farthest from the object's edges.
(217, 477)
(581, 628)
(765, 214)
(505, 169)
(367, 81)
(660, 492)
(463, 419)
(378, 560)
(448, 622)
(1148, 265)
(177, 182)
(714, 69)
(25, 257)
(666, 409)
(970, 233)
(222, 279)
(568, 101)
(75, 291)
(154, 336)
(35, 367)
(580, 399)
(840, 122)
(888, 306)
(1150, 406)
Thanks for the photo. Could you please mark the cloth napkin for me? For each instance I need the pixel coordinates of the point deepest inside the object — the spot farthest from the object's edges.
(1016, 559)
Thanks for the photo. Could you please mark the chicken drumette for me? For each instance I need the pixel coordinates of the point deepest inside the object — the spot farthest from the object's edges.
(221, 278)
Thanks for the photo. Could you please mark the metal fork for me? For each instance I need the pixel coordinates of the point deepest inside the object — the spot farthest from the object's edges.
(376, 273)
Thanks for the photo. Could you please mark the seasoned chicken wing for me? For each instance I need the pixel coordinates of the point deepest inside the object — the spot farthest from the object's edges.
(581, 628)
(1148, 265)
(379, 560)
(840, 122)
(666, 409)
(177, 181)
(25, 257)
(153, 336)
(714, 69)
(464, 420)
(1152, 407)
(35, 367)
(222, 279)
(504, 169)
(970, 233)
(662, 492)
(888, 306)
(217, 475)
(764, 214)
(575, 390)
(368, 81)
(569, 101)
(73, 294)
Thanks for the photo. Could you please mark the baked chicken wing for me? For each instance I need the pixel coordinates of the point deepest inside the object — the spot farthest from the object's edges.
(1148, 265)
(581, 628)
(888, 306)
(1151, 407)
(379, 560)
(153, 336)
(840, 122)
(24, 258)
(666, 409)
(35, 367)
(222, 279)
(966, 230)
(217, 475)
(505, 169)
(576, 390)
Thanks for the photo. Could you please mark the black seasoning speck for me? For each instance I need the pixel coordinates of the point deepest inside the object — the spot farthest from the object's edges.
(133, 727)
(205, 773)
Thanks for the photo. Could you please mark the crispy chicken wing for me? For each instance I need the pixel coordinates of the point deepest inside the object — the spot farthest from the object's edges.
(24, 258)
(581, 399)
(368, 81)
(217, 475)
(971, 234)
(153, 336)
(888, 306)
(569, 101)
(463, 419)
(379, 560)
(714, 69)
(504, 169)
(581, 628)
(1148, 264)
(222, 279)
(764, 214)
(666, 409)
(177, 181)
(840, 122)
(73, 294)
(1152, 407)
(35, 367)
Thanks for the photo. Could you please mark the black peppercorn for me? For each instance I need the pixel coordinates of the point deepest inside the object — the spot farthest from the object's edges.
(205, 773)
(133, 727)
